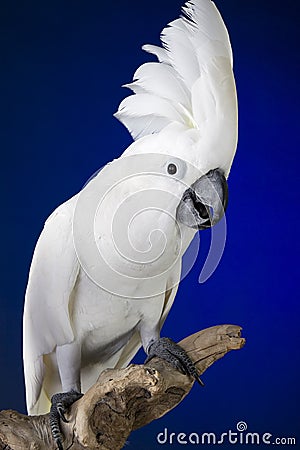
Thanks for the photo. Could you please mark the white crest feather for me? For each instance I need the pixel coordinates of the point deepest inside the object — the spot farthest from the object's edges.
(160, 53)
(164, 91)
(144, 114)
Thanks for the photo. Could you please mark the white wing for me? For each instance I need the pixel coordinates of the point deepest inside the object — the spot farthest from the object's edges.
(192, 83)
(52, 277)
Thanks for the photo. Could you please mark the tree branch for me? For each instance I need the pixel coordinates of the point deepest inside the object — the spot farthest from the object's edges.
(121, 400)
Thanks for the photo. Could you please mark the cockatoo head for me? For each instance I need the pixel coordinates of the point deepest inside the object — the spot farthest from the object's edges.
(199, 181)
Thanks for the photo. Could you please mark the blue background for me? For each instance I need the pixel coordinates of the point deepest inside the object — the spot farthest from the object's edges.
(62, 65)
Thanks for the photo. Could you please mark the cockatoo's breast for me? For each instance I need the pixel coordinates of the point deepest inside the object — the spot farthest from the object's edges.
(90, 307)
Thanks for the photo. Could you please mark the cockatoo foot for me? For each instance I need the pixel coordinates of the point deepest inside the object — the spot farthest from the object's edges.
(60, 403)
(171, 352)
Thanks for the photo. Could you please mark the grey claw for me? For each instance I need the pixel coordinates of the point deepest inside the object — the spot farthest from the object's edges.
(61, 412)
(198, 379)
(59, 444)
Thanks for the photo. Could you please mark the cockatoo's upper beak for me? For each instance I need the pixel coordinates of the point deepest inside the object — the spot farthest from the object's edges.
(204, 203)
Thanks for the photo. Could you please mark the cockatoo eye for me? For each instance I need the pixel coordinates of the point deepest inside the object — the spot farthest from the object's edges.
(175, 167)
(172, 169)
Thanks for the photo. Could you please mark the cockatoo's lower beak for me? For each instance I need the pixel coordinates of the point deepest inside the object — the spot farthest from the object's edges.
(204, 203)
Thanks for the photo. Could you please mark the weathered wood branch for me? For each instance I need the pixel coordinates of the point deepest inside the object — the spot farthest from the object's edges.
(121, 400)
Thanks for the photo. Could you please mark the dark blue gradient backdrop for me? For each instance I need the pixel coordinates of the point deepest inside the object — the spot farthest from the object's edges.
(62, 67)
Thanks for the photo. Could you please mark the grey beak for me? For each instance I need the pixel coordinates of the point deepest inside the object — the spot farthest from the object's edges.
(204, 203)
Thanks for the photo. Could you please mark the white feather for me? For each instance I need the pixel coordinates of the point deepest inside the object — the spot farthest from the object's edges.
(159, 52)
(208, 24)
(191, 46)
(161, 80)
(143, 123)
(140, 126)
(52, 277)
(176, 38)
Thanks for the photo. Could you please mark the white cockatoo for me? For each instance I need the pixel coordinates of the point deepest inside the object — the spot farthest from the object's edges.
(107, 264)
